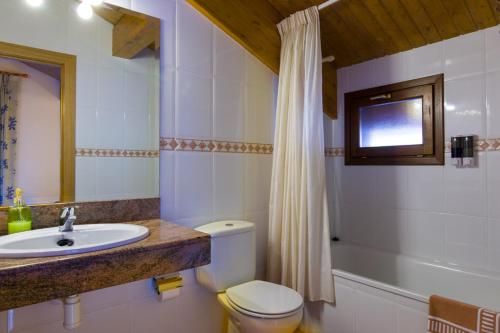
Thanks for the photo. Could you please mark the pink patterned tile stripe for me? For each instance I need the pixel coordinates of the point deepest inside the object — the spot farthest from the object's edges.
(480, 145)
(215, 146)
(90, 152)
(179, 144)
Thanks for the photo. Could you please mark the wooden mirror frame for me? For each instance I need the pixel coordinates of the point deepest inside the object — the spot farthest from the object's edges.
(67, 63)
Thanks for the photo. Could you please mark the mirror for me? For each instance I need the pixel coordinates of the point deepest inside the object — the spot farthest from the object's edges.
(80, 102)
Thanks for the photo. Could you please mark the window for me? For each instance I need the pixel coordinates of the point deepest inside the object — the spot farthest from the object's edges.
(397, 124)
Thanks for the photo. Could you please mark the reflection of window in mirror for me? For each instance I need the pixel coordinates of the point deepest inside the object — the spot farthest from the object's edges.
(396, 124)
(30, 130)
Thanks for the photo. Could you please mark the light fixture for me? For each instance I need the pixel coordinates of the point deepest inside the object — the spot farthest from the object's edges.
(85, 10)
(35, 3)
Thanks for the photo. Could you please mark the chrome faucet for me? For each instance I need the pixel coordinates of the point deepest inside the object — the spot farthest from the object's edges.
(67, 219)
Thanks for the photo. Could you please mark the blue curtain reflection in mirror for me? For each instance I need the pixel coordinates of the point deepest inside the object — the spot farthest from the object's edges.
(8, 138)
(397, 123)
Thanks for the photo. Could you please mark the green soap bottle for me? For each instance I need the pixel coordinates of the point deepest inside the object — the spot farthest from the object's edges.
(19, 215)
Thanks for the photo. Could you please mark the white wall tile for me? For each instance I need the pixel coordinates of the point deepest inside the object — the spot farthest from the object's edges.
(464, 55)
(193, 117)
(193, 184)
(256, 73)
(465, 230)
(260, 219)
(87, 79)
(464, 106)
(229, 109)
(110, 128)
(493, 48)
(86, 117)
(229, 58)
(425, 234)
(109, 178)
(229, 171)
(426, 188)
(387, 70)
(167, 102)
(361, 76)
(257, 182)
(493, 104)
(85, 178)
(259, 113)
(167, 182)
(465, 189)
(425, 61)
(493, 185)
(144, 182)
(194, 38)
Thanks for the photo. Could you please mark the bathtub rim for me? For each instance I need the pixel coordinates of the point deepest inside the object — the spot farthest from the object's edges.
(379, 285)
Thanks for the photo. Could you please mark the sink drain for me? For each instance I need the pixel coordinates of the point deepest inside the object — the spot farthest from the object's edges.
(65, 242)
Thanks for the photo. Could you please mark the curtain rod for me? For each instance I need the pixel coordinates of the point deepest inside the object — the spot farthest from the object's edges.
(326, 4)
(14, 74)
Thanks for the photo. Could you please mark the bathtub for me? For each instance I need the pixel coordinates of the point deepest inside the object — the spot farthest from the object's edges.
(381, 292)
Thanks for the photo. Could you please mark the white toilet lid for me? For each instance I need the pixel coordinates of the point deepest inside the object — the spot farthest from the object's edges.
(264, 298)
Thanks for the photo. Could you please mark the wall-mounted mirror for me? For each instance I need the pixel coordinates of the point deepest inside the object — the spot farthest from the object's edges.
(79, 97)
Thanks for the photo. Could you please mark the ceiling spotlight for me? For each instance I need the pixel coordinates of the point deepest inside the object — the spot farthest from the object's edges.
(35, 3)
(85, 11)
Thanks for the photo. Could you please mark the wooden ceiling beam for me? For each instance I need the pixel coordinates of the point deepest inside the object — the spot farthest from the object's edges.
(132, 34)
(399, 14)
(366, 41)
(252, 24)
(372, 27)
(495, 5)
(132, 31)
(460, 15)
(422, 20)
(482, 13)
(388, 24)
(435, 10)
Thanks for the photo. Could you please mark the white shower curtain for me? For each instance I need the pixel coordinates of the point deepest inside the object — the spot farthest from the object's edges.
(299, 237)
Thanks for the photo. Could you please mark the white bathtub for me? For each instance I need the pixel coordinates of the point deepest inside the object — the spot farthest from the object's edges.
(415, 278)
(380, 292)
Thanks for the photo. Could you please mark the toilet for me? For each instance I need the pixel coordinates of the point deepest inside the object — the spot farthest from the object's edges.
(252, 305)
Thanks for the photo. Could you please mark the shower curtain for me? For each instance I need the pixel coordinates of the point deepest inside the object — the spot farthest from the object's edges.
(8, 138)
(299, 238)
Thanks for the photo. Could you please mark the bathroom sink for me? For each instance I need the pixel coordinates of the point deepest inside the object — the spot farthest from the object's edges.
(84, 238)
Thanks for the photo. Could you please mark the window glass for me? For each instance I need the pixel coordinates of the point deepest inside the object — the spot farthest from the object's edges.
(391, 124)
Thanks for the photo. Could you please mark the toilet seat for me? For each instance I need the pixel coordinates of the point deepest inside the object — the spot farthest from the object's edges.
(264, 299)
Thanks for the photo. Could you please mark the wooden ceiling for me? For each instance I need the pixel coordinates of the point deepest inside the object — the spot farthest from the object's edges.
(353, 31)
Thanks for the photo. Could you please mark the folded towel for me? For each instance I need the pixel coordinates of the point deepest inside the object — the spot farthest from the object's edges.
(449, 316)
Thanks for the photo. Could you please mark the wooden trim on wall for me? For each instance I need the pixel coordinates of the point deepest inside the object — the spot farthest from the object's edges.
(67, 63)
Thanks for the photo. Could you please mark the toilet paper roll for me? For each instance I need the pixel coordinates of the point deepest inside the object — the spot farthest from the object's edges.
(168, 294)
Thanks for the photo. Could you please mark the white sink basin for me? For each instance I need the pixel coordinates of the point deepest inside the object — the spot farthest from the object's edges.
(84, 238)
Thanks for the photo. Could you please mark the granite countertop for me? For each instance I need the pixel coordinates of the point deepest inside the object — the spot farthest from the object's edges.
(169, 248)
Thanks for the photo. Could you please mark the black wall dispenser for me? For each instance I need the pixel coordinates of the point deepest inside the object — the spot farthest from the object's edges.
(462, 151)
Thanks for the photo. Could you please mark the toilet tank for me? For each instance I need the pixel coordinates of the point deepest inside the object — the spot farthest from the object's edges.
(233, 255)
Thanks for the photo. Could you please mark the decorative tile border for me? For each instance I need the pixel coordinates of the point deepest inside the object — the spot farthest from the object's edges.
(480, 145)
(334, 152)
(90, 152)
(180, 144)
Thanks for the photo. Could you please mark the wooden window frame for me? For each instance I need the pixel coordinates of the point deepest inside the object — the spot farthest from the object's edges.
(431, 152)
